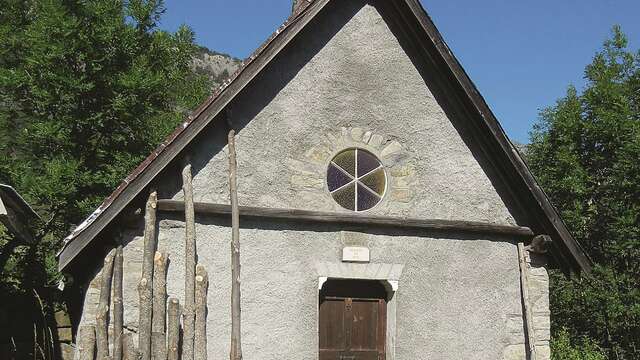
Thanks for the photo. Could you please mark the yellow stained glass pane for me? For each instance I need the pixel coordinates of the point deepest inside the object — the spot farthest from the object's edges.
(347, 161)
(375, 181)
(346, 196)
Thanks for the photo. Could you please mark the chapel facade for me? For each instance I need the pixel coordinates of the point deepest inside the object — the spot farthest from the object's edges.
(384, 214)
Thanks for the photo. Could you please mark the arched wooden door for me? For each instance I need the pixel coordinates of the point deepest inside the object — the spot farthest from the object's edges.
(352, 320)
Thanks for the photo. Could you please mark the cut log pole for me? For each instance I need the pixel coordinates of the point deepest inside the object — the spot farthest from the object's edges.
(173, 329)
(102, 316)
(118, 309)
(202, 286)
(236, 342)
(86, 342)
(158, 338)
(158, 341)
(129, 351)
(190, 266)
(160, 262)
(528, 312)
(145, 287)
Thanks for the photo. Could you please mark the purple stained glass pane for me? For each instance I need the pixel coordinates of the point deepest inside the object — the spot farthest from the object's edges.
(366, 162)
(366, 199)
(336, 178)
(346, 196)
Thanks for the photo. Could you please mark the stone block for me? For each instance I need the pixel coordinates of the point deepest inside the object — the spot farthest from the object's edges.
(401, 195)
(62, 319)
(367, 136)
(392, 148)
(357, 133)
(401, 171)
(65, 334)
(67, 351)
(543, 352)
(376, 141)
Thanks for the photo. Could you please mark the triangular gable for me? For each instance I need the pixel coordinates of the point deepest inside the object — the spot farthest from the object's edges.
(430, 46)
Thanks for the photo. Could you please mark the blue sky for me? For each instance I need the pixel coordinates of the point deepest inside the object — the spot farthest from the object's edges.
(521, 55)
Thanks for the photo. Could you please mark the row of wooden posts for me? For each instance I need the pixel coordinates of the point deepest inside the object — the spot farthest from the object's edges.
(159, 325)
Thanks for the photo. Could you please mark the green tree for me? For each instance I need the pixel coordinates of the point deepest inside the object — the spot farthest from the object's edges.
(582, 349)
(585, 152)
(87, 90)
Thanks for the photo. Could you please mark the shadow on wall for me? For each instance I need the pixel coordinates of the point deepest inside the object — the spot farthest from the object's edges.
(177, 220)
(267, 85)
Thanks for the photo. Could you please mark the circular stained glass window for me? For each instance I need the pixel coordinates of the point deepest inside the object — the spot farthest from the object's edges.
(356, 179)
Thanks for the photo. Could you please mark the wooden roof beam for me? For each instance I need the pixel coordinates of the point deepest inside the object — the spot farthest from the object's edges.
(351, 219)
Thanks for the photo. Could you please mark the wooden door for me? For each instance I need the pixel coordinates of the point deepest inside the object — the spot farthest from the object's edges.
(352, 328)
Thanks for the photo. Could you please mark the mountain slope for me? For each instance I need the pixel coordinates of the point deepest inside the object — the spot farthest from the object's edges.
(216, 66)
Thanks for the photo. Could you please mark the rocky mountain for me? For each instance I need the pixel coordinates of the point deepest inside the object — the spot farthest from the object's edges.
(522, 148)
(216, 66)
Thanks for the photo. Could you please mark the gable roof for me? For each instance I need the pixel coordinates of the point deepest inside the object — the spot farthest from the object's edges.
(16, 214)
(431, 47)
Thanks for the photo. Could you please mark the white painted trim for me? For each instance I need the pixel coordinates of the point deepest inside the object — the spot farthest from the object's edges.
(394, 284)
(364, 271)
(321, 281)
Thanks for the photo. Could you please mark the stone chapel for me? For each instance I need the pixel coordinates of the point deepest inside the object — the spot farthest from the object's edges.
(384, 213)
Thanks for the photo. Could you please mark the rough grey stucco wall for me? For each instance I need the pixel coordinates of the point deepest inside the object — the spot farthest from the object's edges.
(346, 82)
(456, 297)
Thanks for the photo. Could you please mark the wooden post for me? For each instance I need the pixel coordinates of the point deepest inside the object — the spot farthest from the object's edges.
(86, 342)
(202, 285)
(236, 342)
(158, 340)
(159, 346)
(102, 316)
(173, 329)
(118, 310)
(528, 313)
(145, 287)
(160, 262)
(129, 351)
(190, 265)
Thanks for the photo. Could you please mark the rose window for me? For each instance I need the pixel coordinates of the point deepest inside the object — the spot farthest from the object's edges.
(356, 179)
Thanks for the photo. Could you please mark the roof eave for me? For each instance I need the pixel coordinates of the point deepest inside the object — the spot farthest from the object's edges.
(560, 232)
(196, 122)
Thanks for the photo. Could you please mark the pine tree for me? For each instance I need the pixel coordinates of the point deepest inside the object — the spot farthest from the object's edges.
(87, 90)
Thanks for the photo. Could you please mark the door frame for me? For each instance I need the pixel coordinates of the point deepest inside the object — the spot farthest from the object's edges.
(387, 274)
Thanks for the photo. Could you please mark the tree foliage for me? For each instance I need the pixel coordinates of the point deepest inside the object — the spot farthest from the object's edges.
(585, 152)
(87, 90)
(566, 348)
